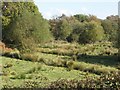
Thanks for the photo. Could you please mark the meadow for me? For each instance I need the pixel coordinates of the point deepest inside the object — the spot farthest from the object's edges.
(62, 64)
(76, 51)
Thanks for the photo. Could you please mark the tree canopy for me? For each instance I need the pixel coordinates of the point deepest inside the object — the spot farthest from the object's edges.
(23, 24)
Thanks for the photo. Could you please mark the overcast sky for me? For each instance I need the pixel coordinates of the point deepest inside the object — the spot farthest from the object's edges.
(100, 8)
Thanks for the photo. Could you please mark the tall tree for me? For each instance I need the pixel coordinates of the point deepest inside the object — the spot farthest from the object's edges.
(23, 24)
(110, 26)
(92, 32)
(61, 27)
(81, 17)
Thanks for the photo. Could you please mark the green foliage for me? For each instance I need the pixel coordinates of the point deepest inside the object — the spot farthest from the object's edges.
(70, 64)
(13, 73)
(85, 28)
(25, 26)
(81, 17)
(44, 74)
(31, 84)
(30, 57)
(118, 43)
(26, 70)
(111, 28)
(92, 32)
(78, 28)
(65, 29)
(87, 32)
(31, 70)
(21, 76)
(13, 54)
(11, 10)
(103, 82)
(60, 28)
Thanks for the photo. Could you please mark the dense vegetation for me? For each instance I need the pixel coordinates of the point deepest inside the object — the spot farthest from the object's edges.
(79, 51)
(23, 24)
(85, 29)
(52, 66)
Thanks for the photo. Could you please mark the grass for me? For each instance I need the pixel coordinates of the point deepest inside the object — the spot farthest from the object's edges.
(34, 71)
(54, 61)
(102, 60)
(26, 71)
(93, 53)
(68, 48)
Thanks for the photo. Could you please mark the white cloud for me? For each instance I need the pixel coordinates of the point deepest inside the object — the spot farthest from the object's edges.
(56, 12)
(59, 11)
(64, 11)
(47, 15)
(84, 9)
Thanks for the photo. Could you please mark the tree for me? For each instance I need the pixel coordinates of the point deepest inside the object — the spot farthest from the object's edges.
(118, 43)
(55, 27)
(77, 30)
(92, 32)
(111, 29)
(93, 18)
(65, 29)
(61, 27)
(81, 17)
(26, 27)
(11, 10)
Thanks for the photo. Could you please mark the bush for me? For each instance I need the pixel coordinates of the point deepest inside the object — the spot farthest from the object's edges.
(92, 32)
(77, 66)
(28, 30)
(30, 57)
(63, 63)
(70, 65)
(13, 53)
(103, 82)
(31, 84)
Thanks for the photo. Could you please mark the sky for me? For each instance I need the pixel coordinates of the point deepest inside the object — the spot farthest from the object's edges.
(99, 8)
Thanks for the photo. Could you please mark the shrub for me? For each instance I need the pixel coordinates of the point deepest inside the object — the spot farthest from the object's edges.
(111, 81)
(63, 63)
(70, 65)
(42, 60)
(76, 66)
(31, 84)
(30, 57)
(94, 33)
(13, 53)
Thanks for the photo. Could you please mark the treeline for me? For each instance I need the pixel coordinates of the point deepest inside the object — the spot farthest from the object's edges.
(24, 27)
(84, 28)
